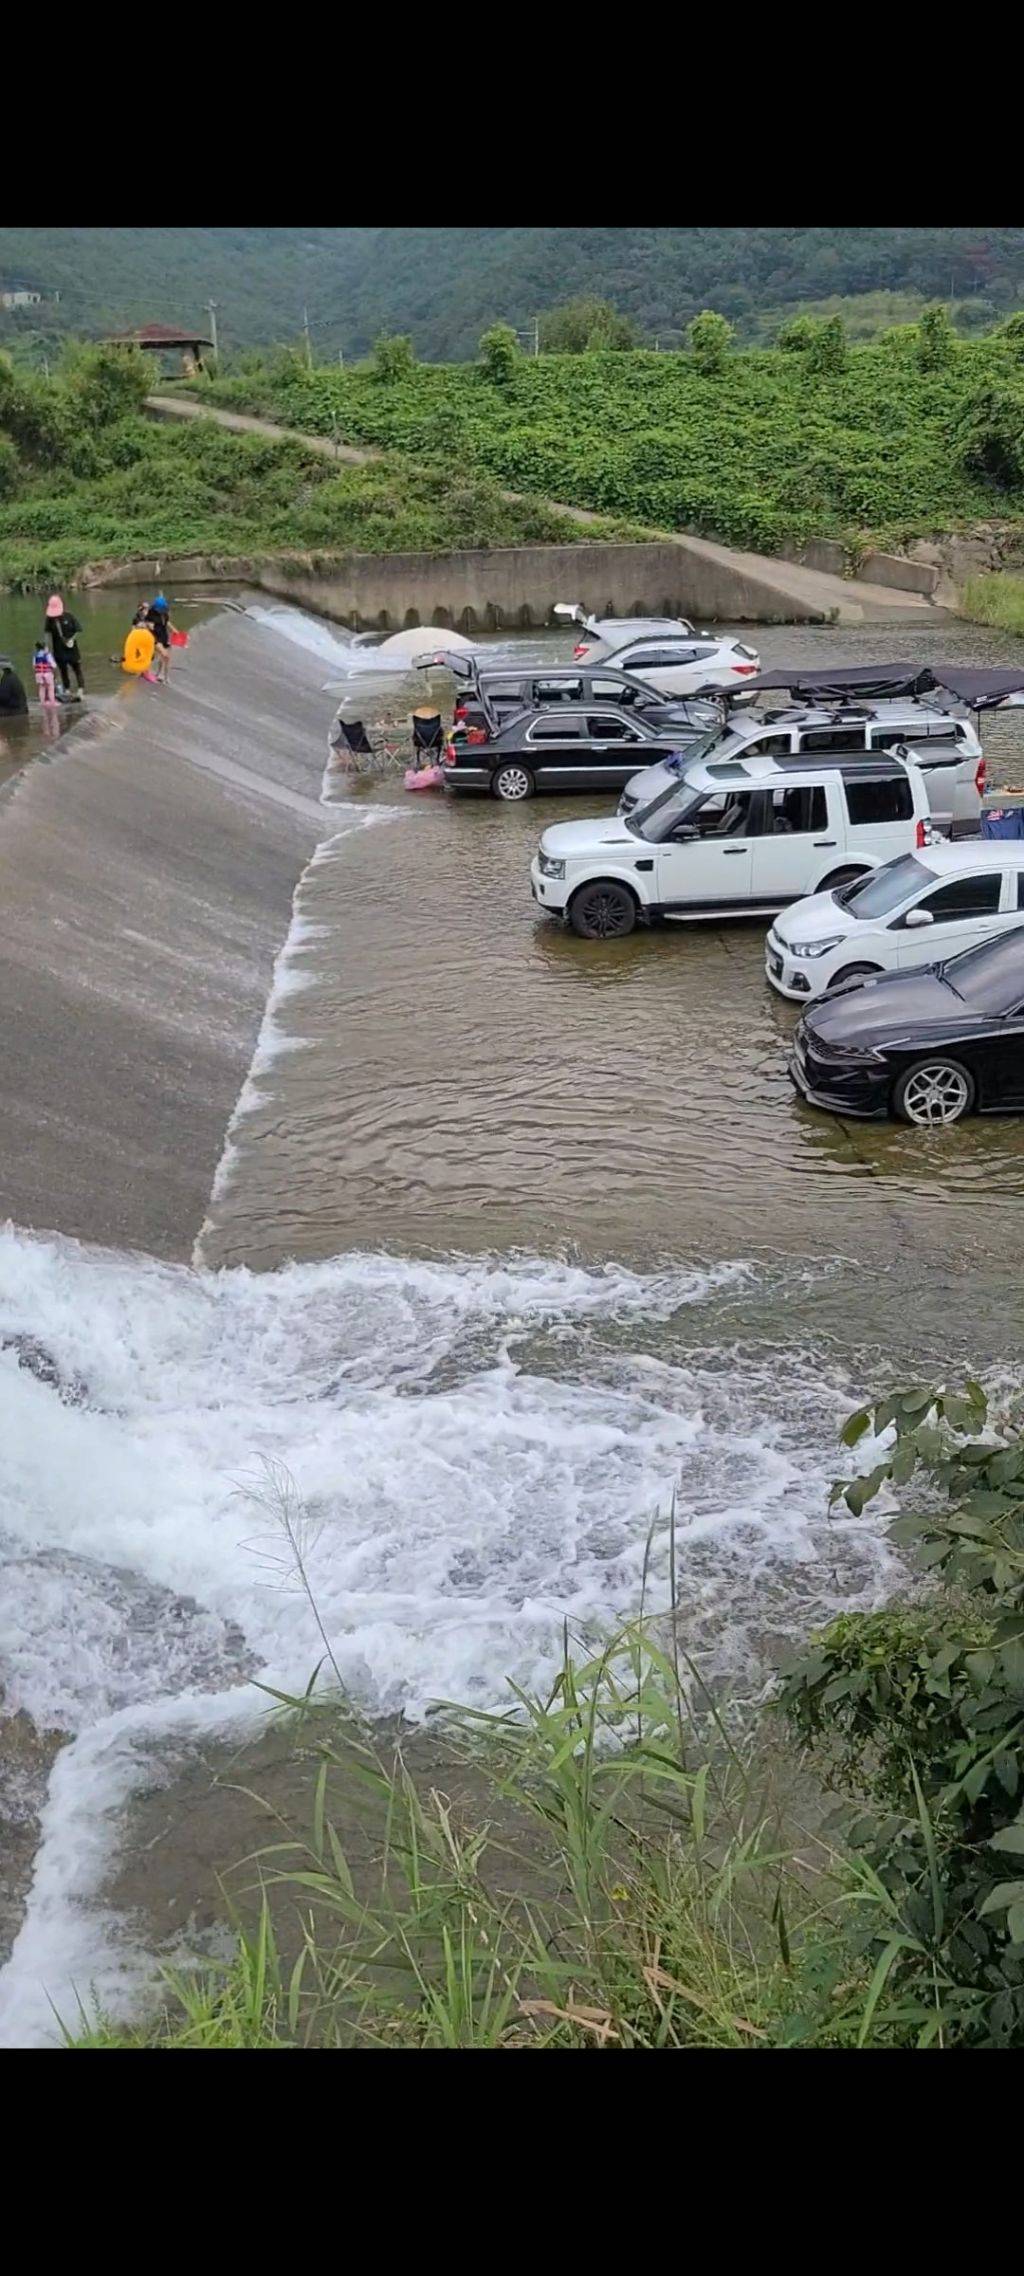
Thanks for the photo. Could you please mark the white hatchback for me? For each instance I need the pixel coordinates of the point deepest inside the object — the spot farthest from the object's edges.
(918, 910)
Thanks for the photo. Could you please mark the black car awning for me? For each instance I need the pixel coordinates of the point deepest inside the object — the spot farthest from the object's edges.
(832, 683)
(978, 686)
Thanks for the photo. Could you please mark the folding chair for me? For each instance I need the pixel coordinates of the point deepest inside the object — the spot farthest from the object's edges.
(427, 737)
(349, 737)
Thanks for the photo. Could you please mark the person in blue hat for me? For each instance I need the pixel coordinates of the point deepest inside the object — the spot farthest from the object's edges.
(159, 619)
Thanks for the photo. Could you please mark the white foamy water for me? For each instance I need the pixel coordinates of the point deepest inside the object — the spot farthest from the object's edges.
(478, 1448)
(311, 633)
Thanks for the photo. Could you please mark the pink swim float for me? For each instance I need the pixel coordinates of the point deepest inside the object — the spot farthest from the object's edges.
(424, 778)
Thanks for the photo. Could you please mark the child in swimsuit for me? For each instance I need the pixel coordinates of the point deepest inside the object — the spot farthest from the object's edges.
(45, 671)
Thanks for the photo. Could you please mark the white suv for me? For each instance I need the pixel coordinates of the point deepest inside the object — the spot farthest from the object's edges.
(729, 839)
(946, 749)
(918, 910)
(665, 652)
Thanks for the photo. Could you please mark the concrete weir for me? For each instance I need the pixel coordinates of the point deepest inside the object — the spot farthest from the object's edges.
(147, 869)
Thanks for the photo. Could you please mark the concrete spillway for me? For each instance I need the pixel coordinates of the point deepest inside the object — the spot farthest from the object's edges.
(146, 877)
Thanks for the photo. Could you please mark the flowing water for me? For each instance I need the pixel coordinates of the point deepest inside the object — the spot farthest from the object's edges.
(515, 1239)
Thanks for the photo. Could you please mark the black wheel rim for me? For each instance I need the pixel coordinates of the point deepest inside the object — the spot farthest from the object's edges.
(607, 914)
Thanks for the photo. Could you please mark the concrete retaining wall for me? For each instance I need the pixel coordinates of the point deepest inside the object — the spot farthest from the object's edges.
(505, 586)
(824, 553)
(828, 555)
(894, 569)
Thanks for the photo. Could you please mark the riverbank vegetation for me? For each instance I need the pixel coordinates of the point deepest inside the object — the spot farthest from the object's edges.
(86, 478)
(914, 435)
(632, 1873)
(996, 599)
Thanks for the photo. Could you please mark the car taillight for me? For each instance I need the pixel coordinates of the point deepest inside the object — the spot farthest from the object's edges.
(460, 711)
(744, 669)
(448, 755)
(581, 649)
(921, 835)
(981, 778)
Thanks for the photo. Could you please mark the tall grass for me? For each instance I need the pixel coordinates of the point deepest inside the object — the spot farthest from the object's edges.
(622, 1880)
(996, 599)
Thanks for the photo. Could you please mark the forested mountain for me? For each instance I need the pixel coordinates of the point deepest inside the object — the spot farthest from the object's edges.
(445, 285)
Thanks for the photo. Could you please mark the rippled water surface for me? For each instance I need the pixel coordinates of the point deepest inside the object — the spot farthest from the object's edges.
(466, 1074)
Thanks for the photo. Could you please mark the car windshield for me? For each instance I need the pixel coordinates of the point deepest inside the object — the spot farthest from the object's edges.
(655, 816)
(990, 977)
(880, 893)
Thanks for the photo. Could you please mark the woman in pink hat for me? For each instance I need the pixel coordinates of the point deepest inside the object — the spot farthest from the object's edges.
(62, 630)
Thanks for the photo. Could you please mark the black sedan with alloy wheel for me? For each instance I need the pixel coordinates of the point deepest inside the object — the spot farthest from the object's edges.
(564, 748)
(928, 1046)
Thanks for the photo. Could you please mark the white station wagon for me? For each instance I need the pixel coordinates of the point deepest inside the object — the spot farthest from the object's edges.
(919, 910)
(731, 839)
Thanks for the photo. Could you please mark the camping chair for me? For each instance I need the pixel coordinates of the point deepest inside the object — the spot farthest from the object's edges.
(349, 737)
(427, 738)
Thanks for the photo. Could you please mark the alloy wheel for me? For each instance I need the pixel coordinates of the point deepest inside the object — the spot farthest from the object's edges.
(513, 782)
(936, 1095)
(606, 913)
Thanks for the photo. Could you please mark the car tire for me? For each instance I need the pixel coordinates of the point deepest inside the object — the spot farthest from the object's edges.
(839, 877)
(603, 910)
(852, 972)
(512, 782)
(933, 1093)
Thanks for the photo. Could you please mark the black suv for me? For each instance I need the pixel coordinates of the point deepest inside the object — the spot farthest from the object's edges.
(565, 748)
(490, 697)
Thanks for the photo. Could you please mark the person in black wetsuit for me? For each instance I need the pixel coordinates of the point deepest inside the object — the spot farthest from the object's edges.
(12, 694)
(62, 630)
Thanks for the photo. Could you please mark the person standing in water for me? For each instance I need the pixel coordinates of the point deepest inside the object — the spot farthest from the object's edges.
(63, 630)
(161, 628)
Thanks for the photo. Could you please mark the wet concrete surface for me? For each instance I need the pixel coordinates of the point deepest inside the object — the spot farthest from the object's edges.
(147, 866)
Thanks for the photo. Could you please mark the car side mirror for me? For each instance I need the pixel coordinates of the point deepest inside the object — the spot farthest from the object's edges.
(684, 832)
(915, 918)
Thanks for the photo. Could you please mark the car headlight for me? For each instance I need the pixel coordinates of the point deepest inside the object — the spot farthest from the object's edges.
(549, 868)
(814, 947)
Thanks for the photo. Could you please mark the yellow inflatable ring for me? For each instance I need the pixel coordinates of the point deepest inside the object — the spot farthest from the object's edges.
(138, 650)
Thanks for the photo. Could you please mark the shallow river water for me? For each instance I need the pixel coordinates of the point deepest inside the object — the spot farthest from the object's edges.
(516, 1238)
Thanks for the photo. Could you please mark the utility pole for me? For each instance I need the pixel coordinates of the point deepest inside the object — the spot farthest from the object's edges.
(536, 335)
(305, 329)
(211, 310)
(341, 359)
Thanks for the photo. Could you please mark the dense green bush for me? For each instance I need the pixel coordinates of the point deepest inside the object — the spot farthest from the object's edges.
(920, 1711)
(710, 337)
(989, 434)
(392, 357)
(499, 353)
(936, 339)
(586, 324)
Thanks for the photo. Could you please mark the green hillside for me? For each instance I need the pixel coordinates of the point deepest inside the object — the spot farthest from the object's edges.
(85, 477)
(445, 285)
(918, 433)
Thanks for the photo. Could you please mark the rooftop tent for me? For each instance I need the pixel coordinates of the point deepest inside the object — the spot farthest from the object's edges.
(977, 685)
(833, 684)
